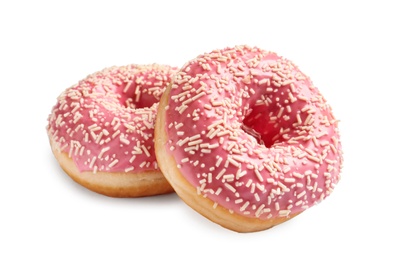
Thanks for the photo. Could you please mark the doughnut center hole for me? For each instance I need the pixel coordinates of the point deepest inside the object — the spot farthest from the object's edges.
(255, 126)
(138, 102)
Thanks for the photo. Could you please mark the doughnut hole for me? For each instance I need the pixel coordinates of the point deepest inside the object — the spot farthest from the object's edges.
(142, 90)
(257, 124)
(137, 97)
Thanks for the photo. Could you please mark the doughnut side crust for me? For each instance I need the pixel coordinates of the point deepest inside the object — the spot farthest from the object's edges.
(114, 184)
(188, 193)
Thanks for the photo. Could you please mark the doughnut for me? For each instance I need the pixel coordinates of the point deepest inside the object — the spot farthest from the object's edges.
(246, 139)
(101, 130)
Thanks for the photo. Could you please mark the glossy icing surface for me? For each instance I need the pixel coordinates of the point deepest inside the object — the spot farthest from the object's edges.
(250, 131)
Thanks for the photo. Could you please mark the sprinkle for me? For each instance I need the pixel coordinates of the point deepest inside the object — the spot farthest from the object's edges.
(233, 162)
(298, 175)
(299, 121)
(263, 81)
(145, 151)
(127, 86)
(244, 206)
(301, 194)
(290, 180)
(91, 164)
(220, 174)
(284, 213)
(228, 177)
(258, 175)
(103, 151)
(231, 188)
(219, 160)
(124, 140)
(129, 169)
(195, 142)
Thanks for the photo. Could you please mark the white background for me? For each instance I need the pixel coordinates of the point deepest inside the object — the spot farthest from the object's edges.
(346, 47)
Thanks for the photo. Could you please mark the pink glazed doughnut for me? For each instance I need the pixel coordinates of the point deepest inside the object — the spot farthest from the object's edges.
(101, 130)
(246, 140)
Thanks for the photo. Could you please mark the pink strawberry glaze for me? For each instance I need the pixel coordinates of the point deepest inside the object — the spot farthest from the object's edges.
(106, 121)
(249, 130)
